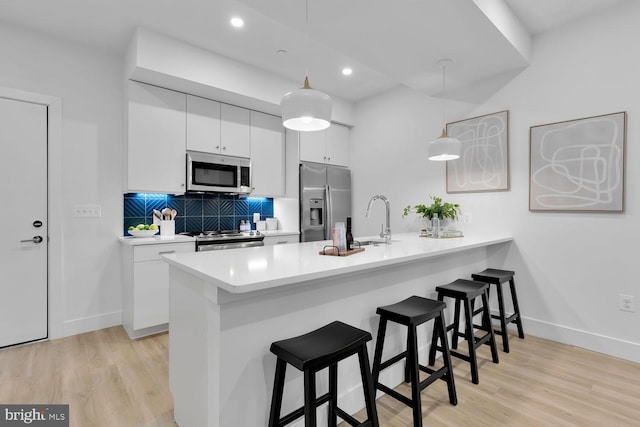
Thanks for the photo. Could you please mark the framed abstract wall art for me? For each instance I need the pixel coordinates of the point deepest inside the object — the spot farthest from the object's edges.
(484, 154)
(578, 165)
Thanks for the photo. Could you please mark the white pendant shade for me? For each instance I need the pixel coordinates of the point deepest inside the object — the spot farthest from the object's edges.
(444, 148)
(306, 109)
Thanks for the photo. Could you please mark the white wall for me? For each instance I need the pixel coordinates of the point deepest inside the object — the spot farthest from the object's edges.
(89, 83)
(570, 266)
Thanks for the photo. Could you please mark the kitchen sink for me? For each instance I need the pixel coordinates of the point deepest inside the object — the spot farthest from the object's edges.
(368, 242)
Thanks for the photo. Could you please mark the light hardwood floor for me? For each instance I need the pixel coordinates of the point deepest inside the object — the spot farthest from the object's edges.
(109, 380)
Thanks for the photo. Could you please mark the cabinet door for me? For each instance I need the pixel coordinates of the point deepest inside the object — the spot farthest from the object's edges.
(203, 124)
(313, 146)
(235, 132)
(338, 145)
(150, 294)
(156, 139)
(267, 155)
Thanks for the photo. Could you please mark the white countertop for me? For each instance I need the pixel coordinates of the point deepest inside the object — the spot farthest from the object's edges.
(252, 269)
(154, 240)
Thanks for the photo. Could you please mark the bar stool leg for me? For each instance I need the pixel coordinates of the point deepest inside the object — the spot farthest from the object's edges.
(412, 359)
(516, 307)
(278, 387)
(446, 358)
(333, 393)
(503, 319)
(468, 313)
(368, 387)
(309, 398)
(456, 326)
(377, 357)
(434, 344)
(486, 316)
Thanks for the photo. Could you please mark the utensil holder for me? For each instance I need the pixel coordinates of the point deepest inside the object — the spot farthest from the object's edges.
(167, 228)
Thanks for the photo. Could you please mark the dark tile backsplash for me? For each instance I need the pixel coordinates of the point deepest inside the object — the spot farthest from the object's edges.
(196, 212)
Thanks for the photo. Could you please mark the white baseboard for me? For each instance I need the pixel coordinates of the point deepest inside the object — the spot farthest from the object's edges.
(92, 323)
(602, 344)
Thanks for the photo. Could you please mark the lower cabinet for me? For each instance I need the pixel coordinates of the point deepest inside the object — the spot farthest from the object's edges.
(281, 239)
(146, 287)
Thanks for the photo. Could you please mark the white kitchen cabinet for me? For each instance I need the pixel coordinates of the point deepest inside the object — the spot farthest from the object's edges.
(146, 287)
(235, 131)
(267, 155)
(203, 125)
(338, 145)
(330, 146)
(156, 140)
(281, 239)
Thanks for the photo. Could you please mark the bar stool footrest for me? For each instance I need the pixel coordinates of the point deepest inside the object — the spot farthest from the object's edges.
(292, 416)
(391, 392)
(393, 360)
(349, 419)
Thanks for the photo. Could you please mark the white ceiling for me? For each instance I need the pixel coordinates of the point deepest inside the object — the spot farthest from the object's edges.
(386, 42)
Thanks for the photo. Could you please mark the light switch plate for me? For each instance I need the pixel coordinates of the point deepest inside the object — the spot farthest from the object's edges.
(87, 211)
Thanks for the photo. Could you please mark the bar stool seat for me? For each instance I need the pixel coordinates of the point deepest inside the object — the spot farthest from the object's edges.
(466, 291)
(312, 352)
(498, 277)
(413, 312)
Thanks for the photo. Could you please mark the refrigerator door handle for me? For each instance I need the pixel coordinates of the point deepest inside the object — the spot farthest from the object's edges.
(329, 209)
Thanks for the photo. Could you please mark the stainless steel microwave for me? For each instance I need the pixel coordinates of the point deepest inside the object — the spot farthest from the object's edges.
(213, 173)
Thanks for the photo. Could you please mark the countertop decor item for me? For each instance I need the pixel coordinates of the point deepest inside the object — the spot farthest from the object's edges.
(143, 233)
(443, 210)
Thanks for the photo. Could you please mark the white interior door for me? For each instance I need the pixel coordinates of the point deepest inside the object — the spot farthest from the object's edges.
(23, 217)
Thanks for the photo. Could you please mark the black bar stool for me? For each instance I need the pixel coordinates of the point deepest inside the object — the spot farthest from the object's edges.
(498, 277)
(310, 353)
(467, 291)
(412, 312)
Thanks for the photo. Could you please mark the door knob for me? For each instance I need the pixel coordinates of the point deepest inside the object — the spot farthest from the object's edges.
(36, 239)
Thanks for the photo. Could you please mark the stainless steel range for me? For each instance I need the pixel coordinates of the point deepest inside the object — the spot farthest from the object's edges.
(225, 239)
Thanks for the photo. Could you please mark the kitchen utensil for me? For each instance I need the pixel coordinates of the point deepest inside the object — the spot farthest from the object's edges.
(174, 214)
(157, 214)
(166, 214)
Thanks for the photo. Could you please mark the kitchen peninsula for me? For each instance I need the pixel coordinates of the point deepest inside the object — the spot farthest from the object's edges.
(227, 307)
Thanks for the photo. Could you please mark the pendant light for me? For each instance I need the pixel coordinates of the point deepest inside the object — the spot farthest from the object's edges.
(444, 147)
(306, 109)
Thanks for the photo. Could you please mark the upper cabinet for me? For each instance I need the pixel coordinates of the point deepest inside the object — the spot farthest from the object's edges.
(330, 146)
(267, 155)
(235, 131)
(217, 128)
(203, 124)
(156, 139)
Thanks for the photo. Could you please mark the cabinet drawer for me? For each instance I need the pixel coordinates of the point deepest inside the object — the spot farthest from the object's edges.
(155, 252)
(279, 240)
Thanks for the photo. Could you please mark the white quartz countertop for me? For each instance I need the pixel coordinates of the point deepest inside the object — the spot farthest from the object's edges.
(257, 268)
(154, 240)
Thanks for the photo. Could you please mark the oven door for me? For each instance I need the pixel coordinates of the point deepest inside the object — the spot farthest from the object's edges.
(227, 245)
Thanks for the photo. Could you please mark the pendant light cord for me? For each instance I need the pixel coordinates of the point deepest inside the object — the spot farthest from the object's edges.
(306, 34)
(444, 103)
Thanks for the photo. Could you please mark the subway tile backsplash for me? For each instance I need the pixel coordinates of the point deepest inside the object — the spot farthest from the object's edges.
(196, 212)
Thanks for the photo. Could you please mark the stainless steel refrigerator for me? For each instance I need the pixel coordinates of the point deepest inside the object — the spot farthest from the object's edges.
(325, 198)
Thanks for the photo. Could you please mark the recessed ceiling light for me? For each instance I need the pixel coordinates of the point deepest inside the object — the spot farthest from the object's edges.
(237, 22)
(347, 71)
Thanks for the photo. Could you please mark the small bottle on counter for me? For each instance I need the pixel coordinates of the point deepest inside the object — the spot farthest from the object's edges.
(349, 235)
(435, 225)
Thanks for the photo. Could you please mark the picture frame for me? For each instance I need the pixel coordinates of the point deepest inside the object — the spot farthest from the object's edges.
(484, 154)
(578, 165)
